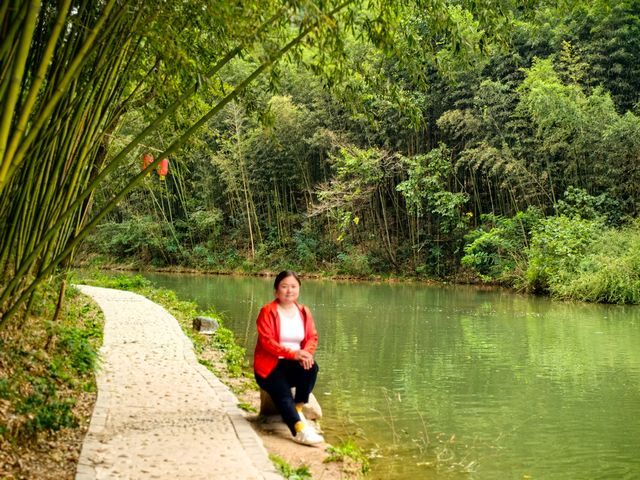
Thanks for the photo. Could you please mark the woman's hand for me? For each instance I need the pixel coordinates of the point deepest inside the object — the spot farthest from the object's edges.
(305, 359)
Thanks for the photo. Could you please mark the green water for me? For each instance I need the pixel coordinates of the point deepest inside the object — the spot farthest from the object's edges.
(459, 383)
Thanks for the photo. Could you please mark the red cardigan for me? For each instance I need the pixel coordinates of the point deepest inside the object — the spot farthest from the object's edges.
(268, 348)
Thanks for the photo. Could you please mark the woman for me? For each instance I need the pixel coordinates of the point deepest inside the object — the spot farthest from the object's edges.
(283, 359)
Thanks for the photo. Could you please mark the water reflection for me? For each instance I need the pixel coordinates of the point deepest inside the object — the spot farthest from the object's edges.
(453, 382)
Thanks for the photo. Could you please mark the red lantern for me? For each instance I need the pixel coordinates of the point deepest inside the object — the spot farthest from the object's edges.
(147, 159)
(163, 168)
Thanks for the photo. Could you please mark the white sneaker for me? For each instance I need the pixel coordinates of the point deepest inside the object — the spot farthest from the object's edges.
(308, 436)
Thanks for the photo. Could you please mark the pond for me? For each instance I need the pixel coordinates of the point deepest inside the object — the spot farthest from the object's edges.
(454, 382)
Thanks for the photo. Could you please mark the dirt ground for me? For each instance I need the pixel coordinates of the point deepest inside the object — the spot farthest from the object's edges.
(278, 441)
(52, 457)
(276, 437)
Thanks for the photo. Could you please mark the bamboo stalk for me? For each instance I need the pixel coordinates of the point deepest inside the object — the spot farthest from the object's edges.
(51, 185)
(9, 45)
(38, 78)
(13, 92)
(18, 147)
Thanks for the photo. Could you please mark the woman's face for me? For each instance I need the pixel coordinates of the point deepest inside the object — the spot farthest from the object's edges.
(288, 290)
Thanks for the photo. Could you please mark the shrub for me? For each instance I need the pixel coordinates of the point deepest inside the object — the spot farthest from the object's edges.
(353, 262)
(141, 238)
(234, 354)
(578, 203)
(45, 367)
(610, 273)
(43, 409)
(497, 249)
(558, 245)
(306, 246)
(205, 225)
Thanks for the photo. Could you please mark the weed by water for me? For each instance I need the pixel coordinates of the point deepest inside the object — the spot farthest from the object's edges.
(289, 472)
(348, 450)
(206, 363)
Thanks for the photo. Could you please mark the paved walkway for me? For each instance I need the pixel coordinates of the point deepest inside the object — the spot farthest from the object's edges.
(159, 413)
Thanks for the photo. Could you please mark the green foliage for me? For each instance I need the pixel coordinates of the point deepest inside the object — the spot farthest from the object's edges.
(204, 225)
(386, 171)
(608, 33)
(609, 272)
(289, 472)
(355, 190)
(46, 368)
(348, 449)
(426, 190)
(496, 250)
(234, 354)
(120, 281)
(76, 344)
(579, 136)
(578, 203)
(572, 257)
(44, 410)
(247, 407)
(306, 246)
(558, 245)
(358, 174)
(53, 156)
(353, 262)
(140, 237)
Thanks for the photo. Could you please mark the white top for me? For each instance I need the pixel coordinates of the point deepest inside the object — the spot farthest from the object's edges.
(291, 329)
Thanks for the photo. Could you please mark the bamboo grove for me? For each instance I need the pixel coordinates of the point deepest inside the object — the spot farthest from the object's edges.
(372, 135)
(70, 70)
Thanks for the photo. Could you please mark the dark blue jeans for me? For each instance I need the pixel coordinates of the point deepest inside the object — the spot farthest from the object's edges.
(289, 374)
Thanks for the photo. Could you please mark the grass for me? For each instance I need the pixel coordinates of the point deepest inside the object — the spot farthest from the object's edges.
(43, 363)
(289, 472)
(348, 450)
(247, 407)
(47, 384)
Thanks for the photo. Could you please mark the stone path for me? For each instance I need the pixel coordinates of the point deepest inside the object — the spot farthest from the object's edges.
(159, 413)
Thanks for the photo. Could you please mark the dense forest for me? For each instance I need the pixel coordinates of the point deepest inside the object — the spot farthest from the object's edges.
(511, 159)
(493, 141)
